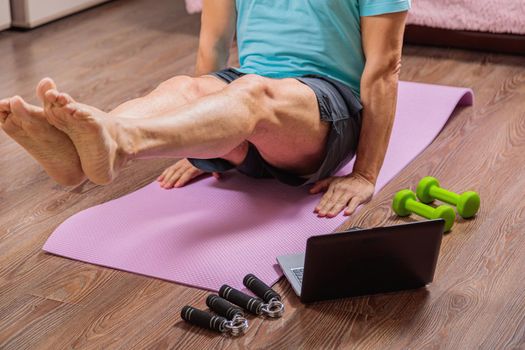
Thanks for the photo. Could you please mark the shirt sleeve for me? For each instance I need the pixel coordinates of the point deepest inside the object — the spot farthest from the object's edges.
(379, 7)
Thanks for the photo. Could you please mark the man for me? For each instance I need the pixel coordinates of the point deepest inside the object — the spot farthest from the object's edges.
(315, 77)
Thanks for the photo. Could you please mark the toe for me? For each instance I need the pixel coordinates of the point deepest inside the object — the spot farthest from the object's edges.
(24, 109)
(64, 99)
(17, 106)
(79, 111)
(50, 97)
(53, 98)
(71, 109)
(4, 105)
(5, 109)
(43, 86)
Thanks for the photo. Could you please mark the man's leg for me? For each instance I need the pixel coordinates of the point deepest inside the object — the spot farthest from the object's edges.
(53, 149)
(168, 96)
(280, 117)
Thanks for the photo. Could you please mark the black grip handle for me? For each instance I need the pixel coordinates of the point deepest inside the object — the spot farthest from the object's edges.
(260, 288)
(203, 319)
(223, 307)
(254, 305)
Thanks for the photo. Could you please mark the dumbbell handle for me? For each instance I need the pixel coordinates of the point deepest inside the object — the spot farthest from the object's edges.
(444, 195)
(203, 319)
(420, 209)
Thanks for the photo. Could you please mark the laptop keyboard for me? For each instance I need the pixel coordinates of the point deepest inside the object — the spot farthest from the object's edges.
(298, 272)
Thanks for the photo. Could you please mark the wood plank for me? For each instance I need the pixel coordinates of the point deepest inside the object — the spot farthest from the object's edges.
(122, 50)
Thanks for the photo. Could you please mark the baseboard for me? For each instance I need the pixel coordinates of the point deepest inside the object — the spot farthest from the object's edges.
(32, 13)
(5, 14)
(484, 41)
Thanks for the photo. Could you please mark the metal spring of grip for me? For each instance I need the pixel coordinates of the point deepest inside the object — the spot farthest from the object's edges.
(273, 307)
(237, 326)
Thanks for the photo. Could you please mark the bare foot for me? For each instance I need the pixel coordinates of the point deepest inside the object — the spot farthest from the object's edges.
(53, 149)
(92, 132)
(179, 174)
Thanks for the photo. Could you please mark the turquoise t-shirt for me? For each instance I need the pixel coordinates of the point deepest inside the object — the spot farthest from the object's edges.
(287, 38)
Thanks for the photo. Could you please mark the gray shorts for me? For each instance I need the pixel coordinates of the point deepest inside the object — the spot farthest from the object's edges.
(337, 105)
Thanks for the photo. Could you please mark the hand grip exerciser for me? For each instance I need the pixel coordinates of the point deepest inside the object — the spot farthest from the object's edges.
(223, 307)
(274, 306)
(254, 305)
(213, 322)
(203, 319)
(260, 289)
(231, 312)
(270, 305)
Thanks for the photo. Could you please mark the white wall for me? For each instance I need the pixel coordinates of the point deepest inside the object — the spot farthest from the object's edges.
(5, 14)
(31, 13)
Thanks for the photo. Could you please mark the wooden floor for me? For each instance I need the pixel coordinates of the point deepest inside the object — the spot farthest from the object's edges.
(121, 50)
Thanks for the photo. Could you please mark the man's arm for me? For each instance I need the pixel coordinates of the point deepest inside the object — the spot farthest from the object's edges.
(382, 43)
(217, 30)
(382, 39)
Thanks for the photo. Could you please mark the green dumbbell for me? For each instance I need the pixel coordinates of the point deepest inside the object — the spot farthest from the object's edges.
(467, 203)
(405, 203)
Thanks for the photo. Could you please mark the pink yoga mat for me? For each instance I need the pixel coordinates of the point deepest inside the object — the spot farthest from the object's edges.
(215, 232)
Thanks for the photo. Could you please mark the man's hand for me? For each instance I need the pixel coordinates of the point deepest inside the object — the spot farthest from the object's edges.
(180, 173)
(342, 192)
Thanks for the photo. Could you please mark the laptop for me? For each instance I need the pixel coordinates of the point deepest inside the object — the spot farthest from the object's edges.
(365, 261)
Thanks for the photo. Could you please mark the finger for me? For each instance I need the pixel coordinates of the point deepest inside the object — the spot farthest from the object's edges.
(162, 176)
(326, 203)
(352, 206)
(167, 178)
(339, 202)
(175, 176)
(216, 175)
(320, 186)
(165, 175)
(337, 207)
(324, 200)
(167, 172)
(184, 178)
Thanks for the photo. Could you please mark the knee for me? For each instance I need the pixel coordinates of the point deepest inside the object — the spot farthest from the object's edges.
(182, 85)
(254, 92)
(250, 87)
